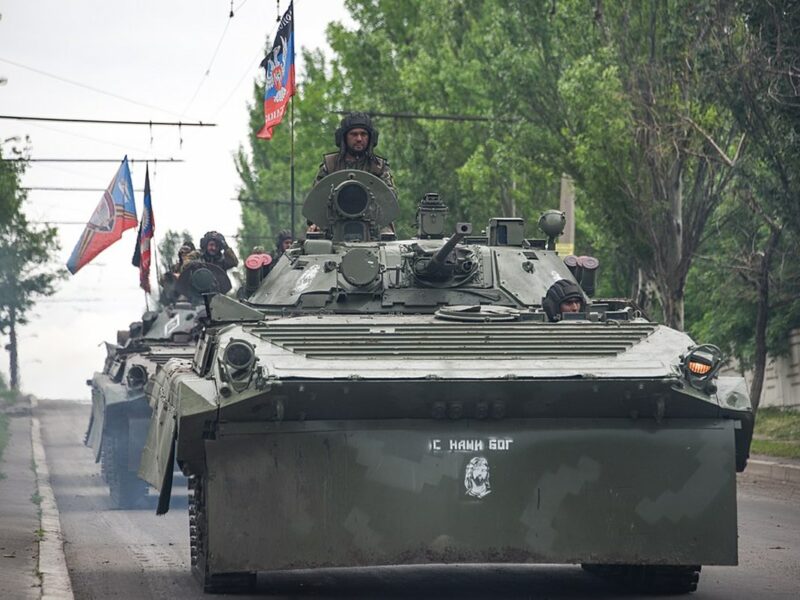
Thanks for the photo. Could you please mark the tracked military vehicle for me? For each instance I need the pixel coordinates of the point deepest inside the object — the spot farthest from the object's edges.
(120, 412)
(378, 402)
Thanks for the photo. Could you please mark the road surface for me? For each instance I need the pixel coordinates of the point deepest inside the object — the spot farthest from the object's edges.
(134, 554)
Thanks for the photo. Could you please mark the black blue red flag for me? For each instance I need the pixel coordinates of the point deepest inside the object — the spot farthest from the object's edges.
(142, 253)
(115, 213)
(279, 67)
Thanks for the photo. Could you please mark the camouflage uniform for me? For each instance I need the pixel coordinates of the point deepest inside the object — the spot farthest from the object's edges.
(377, 165)
(367, 161)
(226, 259)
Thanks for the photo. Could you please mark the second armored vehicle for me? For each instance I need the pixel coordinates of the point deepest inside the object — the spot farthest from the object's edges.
(120, 411)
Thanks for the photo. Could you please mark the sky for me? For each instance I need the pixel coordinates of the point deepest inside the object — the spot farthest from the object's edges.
(150, 60)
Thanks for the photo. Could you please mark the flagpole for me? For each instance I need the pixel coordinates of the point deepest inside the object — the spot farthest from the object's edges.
(291, 159)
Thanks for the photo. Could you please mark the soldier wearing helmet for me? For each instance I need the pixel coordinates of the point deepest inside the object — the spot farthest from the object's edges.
(282, 243)
(564, 296)
(214, 250)
(356, 139)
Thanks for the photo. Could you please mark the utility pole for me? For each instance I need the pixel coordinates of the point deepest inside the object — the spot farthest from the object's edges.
(566, 243)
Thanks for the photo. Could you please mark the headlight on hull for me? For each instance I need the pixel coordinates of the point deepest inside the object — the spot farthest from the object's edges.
(136, 377)
(238, 361)
(700, 366)
(239, 355)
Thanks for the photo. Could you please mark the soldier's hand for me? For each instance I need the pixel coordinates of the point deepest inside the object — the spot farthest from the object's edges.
(222, 243)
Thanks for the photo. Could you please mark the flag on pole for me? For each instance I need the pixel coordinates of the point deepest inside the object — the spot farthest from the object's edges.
(115, 213)
(147, 227)
(279, 66)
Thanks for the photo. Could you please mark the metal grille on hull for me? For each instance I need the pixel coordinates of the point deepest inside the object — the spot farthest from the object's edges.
(161, 359)
(528, 340)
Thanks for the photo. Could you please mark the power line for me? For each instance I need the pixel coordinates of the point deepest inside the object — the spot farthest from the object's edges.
(259, 201)
(93, 160)
(59, 222)
(66, 189)
(74, 134)
(88, 87)
(210, 64)
(424, 117)
(110, 121)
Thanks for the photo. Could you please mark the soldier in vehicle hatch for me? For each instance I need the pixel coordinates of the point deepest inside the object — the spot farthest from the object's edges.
(564, 296)
(356, 139)
(282, 243)
(214, 250)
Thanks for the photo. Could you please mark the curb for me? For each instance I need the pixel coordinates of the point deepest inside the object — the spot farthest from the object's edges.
(52, 562)
(773, 470)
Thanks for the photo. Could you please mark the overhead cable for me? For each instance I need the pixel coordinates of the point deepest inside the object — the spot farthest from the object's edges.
(93, 160)
(88, 87)
(110, 121)
(210, 64)
(65, 189)
(432, 117)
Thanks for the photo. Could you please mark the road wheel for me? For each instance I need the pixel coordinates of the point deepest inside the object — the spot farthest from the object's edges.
(650, 579)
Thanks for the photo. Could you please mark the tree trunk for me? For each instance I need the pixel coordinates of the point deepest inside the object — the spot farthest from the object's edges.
(762, 319)
(12, 349)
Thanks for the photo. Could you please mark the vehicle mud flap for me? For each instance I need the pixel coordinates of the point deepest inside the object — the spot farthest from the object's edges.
(165, 493)
(94, 432)
(601, 491)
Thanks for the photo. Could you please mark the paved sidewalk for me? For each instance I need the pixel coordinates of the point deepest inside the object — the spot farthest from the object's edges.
(19, 516)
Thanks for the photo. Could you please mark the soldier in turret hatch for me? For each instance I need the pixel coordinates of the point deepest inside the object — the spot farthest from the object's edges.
(282, 243)
(564, 296)
(356, 139)
(214, 250)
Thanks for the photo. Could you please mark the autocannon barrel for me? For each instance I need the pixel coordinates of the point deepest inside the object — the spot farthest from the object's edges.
(437, 262)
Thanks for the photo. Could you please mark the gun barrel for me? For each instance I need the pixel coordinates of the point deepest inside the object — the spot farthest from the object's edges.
(437, 260)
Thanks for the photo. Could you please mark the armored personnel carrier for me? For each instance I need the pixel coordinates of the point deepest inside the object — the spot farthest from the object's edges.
(379, 402)
(120, 412)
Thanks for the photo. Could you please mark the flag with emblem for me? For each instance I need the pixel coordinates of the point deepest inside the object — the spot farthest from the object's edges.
(115, 213)
(147, 227)
(279, 67)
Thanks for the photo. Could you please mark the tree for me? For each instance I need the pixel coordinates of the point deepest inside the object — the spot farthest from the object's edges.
(265, 192)
(10, 194)
(168, 248)
(25, 274)
(761, 88)
(613, 94)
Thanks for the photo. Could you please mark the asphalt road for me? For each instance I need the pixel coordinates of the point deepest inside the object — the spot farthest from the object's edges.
(134, 554)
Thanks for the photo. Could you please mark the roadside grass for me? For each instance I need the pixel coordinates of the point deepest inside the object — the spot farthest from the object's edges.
(8, 397)
(777, 433)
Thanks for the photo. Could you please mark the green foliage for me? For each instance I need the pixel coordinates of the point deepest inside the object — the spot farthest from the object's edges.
(10, 194)
(25, 272)
(643, 104)
(265, 171)
(168, 248)
(776, 449)
(777, 433)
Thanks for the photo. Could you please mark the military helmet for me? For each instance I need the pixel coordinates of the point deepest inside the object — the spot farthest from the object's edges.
(283, 235)
(352, 121)
(212, 235)
(185, 248)
(561, 291)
